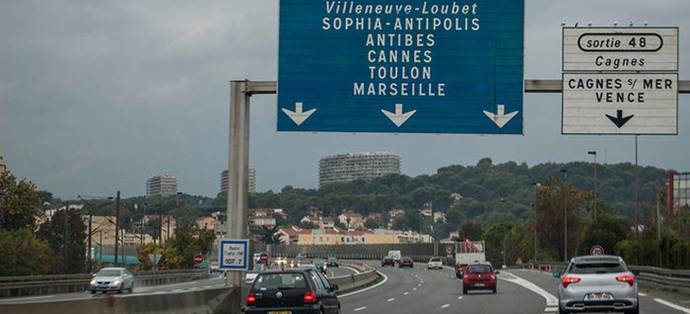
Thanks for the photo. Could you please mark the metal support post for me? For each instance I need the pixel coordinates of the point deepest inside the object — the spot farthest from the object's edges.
(117, 223)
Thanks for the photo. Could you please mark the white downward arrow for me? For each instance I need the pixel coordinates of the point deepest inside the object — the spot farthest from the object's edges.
(298, 116)
(398, 118)
(500, 118)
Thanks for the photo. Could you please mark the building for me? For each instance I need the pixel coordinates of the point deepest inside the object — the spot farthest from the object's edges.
(225, 182)
(321, 221)
(351, 219)
(165, 185)
(349, 167)
(3, 165)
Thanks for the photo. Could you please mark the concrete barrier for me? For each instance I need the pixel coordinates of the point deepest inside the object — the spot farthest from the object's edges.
(215, 300)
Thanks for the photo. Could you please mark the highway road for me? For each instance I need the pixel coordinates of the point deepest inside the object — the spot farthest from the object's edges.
(419, 290)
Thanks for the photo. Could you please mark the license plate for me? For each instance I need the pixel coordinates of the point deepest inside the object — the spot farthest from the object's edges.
(598, 296)
(478, 284)
(280, 312)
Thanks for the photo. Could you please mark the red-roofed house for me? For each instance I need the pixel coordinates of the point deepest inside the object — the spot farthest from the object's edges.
(351, 219)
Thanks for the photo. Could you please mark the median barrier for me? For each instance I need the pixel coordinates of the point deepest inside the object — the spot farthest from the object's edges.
(22, 286)
(213, 300)
(348, 283)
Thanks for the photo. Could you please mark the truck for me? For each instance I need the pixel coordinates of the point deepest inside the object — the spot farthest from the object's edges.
(468, 252)
(396, 255)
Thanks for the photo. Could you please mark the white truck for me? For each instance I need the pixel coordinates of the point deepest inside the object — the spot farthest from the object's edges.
(468, 252)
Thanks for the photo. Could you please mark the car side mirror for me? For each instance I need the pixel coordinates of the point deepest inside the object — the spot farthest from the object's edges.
(497, 272)
(557, 274)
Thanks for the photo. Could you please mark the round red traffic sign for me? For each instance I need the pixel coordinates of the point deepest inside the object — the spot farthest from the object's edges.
(596, 250)
(263, 257)
(198, 258)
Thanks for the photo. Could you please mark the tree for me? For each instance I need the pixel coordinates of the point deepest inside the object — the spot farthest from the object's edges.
(494, 241)
(23, 254)
(607, 230)
(20, 203)
(471, 230)
(553, 198)
(519, 243)
(66, 240)
(371, 224)
(190, 240)
(270, 235)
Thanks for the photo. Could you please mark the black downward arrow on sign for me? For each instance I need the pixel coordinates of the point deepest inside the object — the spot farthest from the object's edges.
(619, 120)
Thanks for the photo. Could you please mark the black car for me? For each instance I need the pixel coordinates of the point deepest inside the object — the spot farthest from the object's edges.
(332, 261)
(292, 291)
(387, 260)
(405, 262)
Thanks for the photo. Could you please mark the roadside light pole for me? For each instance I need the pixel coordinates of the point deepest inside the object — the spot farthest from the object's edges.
(117, 223)
(564, 197)
(536, 216)
(595, 207)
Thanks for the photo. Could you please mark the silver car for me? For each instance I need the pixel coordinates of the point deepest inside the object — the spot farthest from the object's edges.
(116, 279)
(599, 283)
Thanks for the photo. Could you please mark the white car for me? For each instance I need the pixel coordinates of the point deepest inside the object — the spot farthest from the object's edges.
(435, 263)
(116, 279)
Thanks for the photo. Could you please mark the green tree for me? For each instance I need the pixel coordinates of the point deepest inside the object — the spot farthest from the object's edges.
(20, 203)
(519, 243)
(471, 230)
(555, 198)
(371, 224)
(66, 240)
(607, 230)
(494, 241)
(23, 254)
(190, 240)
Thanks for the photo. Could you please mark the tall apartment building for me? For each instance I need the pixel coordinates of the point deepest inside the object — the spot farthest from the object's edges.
(161, 186)
(349, 167)
(3, 166)
(225, 182)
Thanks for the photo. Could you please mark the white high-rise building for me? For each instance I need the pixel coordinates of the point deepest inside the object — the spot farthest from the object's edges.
(164, 185)
(225, 183)
(349, 167)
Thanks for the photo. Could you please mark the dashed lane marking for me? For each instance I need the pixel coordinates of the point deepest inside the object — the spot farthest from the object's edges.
(445, 306)
(672, 305)
(460, 298)
(414, 289)
(406, 293)
(390, 300)
(360, 308)
(642, 294)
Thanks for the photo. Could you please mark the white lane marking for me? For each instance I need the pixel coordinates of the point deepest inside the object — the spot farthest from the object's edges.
(414, 289)
(178, 290)
(360, 308)
(390, 300)
(406, 293)
(642, 294)
(350, 268)
(672, 305)
(419, 285)
(445, 306)
(551, 300)
(551, 309)
(385, 278)
(460, 298)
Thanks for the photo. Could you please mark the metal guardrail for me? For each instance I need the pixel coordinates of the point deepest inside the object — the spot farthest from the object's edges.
(20, 286)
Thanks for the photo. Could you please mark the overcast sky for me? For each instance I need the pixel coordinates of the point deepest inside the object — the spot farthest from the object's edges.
(97, 96)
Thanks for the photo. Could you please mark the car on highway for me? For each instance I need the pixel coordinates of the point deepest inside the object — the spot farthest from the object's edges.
(251, 275)
(406, 261)
(117, 279)
(332, 261)
(320, 265)
(600, 283)
(480, 276)
(395, 254)
(292, 291)
(387, 260)
(434, 263)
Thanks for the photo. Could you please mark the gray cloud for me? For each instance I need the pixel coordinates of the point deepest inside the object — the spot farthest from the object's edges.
(97, 96)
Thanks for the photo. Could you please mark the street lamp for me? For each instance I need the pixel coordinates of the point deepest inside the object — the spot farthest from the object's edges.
(594, 209)
(536, 185)
(564, 199)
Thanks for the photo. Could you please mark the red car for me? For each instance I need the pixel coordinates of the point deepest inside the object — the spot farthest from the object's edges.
(387, 260)
(406, 262)
(479, 277)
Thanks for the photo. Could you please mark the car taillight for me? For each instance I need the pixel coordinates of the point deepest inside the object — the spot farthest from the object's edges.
(630, 279)
(309, 297)
(251, 298)
(568, 280)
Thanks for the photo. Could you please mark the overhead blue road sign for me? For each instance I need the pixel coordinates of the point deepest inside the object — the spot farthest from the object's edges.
(433, 66)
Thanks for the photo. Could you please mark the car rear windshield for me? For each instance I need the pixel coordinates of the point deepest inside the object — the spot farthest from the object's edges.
(436, 259)
(479, 269)
(280, 281)
(597, 268)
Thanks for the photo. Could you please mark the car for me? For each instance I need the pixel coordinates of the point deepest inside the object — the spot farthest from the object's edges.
(480, 276)
(434, 263)
(598, 283)
(332, 262)
(395, 254)
(387, 260)
(214, 268)
(292, 291)
(109, 279)
(320, 265)
(405, 261)
(252, 274)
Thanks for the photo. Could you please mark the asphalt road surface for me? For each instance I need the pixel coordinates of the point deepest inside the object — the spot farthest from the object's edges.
(419, 290)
